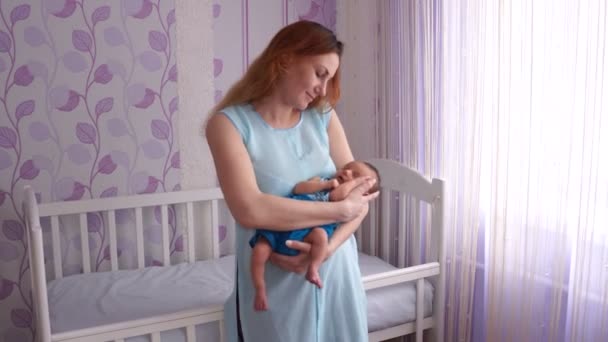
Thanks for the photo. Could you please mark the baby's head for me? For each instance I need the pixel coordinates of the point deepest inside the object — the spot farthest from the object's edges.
(357, 168)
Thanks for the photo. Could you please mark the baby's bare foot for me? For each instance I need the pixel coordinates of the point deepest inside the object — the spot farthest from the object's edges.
(313, 277)
(260, 301)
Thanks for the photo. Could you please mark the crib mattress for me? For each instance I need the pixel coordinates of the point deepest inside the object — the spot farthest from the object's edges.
(111, 297)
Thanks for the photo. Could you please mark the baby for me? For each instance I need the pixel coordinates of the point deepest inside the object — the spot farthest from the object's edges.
(264, 242)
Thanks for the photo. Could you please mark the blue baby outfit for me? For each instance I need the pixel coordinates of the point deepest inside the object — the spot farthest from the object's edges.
(319, 196)
(277, 239)
(298, 310)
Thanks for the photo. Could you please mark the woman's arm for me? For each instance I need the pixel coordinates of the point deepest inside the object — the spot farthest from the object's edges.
(344, 231)
(341, 154)
(253, 208)
(300, 262)
(339, 149)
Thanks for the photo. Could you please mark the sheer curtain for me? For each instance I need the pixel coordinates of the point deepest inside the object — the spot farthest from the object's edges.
(507, 101)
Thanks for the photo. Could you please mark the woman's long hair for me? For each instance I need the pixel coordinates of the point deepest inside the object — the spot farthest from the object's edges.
(300, 39)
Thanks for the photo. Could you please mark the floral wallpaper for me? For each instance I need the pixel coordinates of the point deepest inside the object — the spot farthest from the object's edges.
(89, 109)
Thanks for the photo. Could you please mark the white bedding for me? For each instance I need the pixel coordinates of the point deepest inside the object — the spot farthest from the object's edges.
(395, 304)
(87, 300)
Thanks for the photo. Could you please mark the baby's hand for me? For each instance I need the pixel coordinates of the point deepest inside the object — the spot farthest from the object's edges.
(331, 184)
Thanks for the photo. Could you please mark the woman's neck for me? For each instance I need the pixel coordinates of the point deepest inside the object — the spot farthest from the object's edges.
(276, 113)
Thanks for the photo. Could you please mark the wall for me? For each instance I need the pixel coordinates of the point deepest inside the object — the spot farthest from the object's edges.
(89, 109)
(89, 106)
(244, 28)
(357, 27)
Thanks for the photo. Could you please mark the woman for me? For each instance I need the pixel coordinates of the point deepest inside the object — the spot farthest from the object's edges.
(273, 129)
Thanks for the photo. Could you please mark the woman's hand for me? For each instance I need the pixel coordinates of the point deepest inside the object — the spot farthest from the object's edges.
(298, 263)
(358, 199)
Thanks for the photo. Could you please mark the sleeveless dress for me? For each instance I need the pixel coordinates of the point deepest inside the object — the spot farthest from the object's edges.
(298, 310)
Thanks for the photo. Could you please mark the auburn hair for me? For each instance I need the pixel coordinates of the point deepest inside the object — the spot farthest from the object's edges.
(300, 39)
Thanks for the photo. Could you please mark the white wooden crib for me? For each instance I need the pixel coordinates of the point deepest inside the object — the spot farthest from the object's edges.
(64, 305)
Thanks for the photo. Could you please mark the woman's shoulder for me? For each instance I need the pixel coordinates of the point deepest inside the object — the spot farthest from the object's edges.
(233, 110)
(320, 117)
(237, 115)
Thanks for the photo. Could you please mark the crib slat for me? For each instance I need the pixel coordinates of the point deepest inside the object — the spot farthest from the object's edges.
(419, 306)
(385, 230)
(373, 227)
(373, 217)
(190, 231)
(222, 338)
(416, 233)
(215, 240)
(139, 237)
(155, 336)
(164, 215)
(402, 246)
(428, 234)
(111, 218)
(84, 243)
(231, 229)
(190, 334)
(128, 202)
(56, 247)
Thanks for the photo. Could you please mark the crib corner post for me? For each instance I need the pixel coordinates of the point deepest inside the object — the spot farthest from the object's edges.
(439, 228)
(33, 233)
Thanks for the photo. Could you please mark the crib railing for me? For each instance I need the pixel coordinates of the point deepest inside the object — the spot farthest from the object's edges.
(182, 204)
(152, 326)
(36, 257)
(194, 209)
(405, 228)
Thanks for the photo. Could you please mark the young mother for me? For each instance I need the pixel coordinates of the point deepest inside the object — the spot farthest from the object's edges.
(274, 128)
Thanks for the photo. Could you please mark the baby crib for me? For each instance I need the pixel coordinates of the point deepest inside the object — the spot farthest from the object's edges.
(134, 303)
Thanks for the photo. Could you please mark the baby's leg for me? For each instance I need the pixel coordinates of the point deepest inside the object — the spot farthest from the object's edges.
(259, 256)
(318, 249)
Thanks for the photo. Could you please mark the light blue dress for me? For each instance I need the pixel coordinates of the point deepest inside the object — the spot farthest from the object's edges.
(298, 310)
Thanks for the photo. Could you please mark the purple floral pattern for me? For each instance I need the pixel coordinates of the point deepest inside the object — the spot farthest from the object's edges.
(89, 105)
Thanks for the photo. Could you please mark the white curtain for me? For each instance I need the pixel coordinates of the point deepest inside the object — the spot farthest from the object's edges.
(507, 101)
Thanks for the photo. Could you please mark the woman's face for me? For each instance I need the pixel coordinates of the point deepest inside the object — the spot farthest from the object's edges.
(307, 78)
